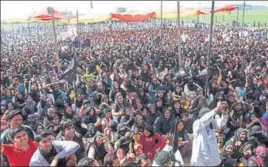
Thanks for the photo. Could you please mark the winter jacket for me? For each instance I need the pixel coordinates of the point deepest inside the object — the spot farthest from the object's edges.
(151, 144)
(163, 125)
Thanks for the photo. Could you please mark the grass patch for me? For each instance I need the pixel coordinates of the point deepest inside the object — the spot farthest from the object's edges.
(251, 16)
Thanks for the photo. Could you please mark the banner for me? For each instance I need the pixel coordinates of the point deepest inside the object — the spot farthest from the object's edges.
(68, 15)
(133, 17)
(70, 33)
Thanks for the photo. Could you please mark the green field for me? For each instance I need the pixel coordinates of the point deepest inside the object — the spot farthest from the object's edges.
(16, 25)
(259, 16)
(250, 16)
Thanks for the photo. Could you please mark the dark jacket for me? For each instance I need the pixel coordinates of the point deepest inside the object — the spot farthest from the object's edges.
(163, 125)
(150, 119)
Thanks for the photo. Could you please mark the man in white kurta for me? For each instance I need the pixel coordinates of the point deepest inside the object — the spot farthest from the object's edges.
(205, 151)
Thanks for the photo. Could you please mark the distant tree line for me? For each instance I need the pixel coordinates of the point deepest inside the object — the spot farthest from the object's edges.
(252, 7)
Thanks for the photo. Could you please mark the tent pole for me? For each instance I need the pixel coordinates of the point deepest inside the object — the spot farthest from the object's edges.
(77, 31)
(179, 33)
(29, 29)
(243, 19)
(91, 4)
(54, 29)
(29, 33)
(161, 8)
(237, 14)
(12, 24)
(210, 43)
(51, 11)
(77, 22)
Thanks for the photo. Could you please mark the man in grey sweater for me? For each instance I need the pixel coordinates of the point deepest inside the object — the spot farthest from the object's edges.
(54, 153)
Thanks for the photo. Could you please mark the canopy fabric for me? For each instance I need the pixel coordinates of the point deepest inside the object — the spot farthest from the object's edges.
(45, 16)
(200, 12)
(227, 8)
(130, 17)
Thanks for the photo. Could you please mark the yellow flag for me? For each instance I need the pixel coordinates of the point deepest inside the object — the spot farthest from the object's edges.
(98, 68)
(89, 76)
(72, 95)
(219, 79)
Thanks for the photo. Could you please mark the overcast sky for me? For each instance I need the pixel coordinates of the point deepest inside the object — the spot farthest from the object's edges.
(22, 9)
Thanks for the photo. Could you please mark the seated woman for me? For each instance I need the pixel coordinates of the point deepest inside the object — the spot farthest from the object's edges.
(138, 150)
(139, 123)
(254, 121)
(165, 123)
(98, 148)
(39, 128)
(233, 147)
(56, 122)
(111, 132)
(107, 118)
(49, 115)
(91, 117)
(151, 141)
(182, 142)
(152, 115)
(118, 108)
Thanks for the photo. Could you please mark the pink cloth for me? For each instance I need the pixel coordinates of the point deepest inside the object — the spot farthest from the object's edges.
(151, 144)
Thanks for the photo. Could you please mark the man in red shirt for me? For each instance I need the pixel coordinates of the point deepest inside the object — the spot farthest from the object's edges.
(20, 152)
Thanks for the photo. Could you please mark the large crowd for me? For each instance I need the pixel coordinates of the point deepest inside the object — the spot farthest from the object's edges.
(119, 97)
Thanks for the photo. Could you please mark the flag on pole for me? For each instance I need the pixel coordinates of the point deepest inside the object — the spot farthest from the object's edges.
(68, 15)
(70, 33)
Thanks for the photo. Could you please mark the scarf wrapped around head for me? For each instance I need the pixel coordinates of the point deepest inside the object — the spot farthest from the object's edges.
(238, 133)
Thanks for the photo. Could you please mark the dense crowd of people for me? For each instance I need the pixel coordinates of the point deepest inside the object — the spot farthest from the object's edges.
(125, 101)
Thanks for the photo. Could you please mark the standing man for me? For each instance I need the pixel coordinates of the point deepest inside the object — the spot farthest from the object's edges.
(20, 152)
(54, 153)
(205, 152)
